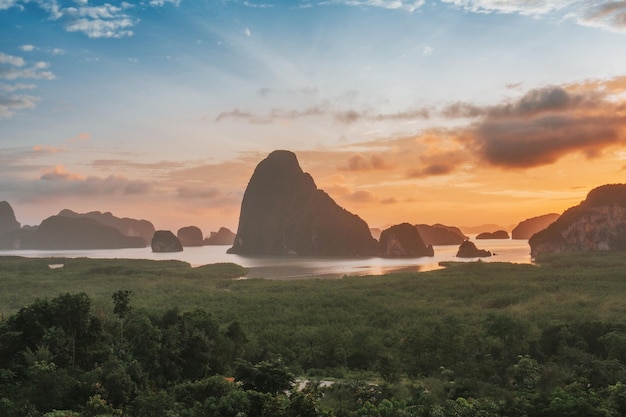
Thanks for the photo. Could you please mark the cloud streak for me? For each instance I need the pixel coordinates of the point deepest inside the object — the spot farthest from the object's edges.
(404, 5)
(341, 116)
(59, 182)
(102, 21)
(14, 68)
(604, 14)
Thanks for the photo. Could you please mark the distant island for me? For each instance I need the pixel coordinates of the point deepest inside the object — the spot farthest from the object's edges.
(498, 234)
(528, 227)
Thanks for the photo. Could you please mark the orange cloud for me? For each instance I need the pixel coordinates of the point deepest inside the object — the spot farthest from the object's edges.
(81, 137)
(45, 149)
(360, 162)
(59, 173)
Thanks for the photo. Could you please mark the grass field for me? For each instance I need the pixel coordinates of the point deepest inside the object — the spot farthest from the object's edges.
(589, 286)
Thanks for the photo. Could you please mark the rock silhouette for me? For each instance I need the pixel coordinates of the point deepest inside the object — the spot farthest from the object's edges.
(222, 237)
(498, 234)
(127, 226)
(8, 222)
(190, 236)
(283, 212)
(468, 249)
(525, 229)
(165, 241)
(438, 234)
(403, 240)
(598, 223)
(62, 232)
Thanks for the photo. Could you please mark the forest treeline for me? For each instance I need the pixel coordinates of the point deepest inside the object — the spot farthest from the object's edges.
(472, 340)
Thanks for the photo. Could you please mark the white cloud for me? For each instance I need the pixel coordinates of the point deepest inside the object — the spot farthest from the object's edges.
(12, 68)
(427, 50)
(609, 15)
(605, 14)
(27, 48)
(257, 6)
(16, 61)
(102, 21)
(7, 4)
(405, 5)
(525, 7)
(11, 103)
(161, 3)
(16, 87)
(99, 28)
(247, 32)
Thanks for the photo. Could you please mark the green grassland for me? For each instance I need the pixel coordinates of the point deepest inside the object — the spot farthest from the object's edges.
(589, 286)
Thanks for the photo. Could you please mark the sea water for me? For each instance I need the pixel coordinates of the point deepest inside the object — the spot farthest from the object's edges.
(297, 267)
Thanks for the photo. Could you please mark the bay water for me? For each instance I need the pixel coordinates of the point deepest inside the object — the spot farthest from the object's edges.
(298, 267)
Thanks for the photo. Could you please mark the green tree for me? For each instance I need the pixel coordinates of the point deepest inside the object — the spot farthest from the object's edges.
(121, 308)
(270, 377)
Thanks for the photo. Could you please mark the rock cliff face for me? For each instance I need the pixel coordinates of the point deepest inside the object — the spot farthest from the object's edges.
(598, 223)
(438, 234)
(61, 232)
(190, 236)
(498, 234)
(469, 250)
(222, 237)
(528, 227)
(127, 226)
(283, 212)
(165, 241)
(403, 240)
(8, 222)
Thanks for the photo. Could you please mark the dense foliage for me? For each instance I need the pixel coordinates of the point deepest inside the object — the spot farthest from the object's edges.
(142, 338)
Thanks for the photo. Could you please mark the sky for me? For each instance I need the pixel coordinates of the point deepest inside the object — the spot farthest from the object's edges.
(461, 112)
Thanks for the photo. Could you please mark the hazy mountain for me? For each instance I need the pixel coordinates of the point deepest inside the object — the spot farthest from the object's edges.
(222, 237)
(438, 234)
(498, 234)
(526, 228)
(62, 232)
(127, 226)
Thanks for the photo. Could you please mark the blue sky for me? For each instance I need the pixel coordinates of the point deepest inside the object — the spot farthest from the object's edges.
(402, 110)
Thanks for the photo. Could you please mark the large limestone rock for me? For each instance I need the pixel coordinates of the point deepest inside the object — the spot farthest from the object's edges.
(190, 236)
(165, 241)
(525, 229)
(8, 222)
(598, 223)
(61, 232)
(438, 234)
(403, 240)
(127, 226)
(468, 249)
(283, 212)
(222, 237)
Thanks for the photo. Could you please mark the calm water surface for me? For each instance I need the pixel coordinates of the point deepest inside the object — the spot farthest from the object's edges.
(294, 267)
